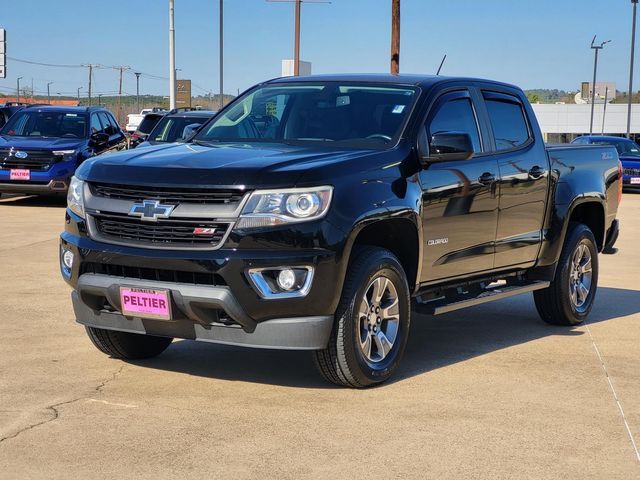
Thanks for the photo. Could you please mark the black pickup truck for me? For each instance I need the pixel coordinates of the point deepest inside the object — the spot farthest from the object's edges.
(318, 213)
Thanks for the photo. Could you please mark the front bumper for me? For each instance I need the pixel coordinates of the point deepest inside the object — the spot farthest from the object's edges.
(54, 180)
(195, 310)
(53, 186)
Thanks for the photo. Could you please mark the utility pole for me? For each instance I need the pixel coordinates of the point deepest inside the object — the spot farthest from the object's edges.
(633, 46)
(90, 67)
(596, 48)
(395, 37)
(18, 88)
(137, 74)
(49, 92)
(121, 68)
(296, 41)
(172, 59)
(221, 55)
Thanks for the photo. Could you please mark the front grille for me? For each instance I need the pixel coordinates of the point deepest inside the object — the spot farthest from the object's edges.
(165, 232)
(37, 160)
(634, 172)
(153, 274)
(168, 195)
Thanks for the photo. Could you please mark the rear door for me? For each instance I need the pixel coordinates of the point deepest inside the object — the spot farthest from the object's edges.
(524, 177)
(459, 198)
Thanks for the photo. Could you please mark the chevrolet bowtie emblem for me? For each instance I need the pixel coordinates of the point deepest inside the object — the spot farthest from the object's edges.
(151, 210)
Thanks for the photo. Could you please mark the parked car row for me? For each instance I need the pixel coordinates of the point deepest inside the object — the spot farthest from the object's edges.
(42, 145)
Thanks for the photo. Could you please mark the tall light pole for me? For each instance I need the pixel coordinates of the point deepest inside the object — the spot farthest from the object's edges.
(395, 37)
(137, 74)
(596, 49)
(79, 88)
(633, 46)
(49, 92)
(221, 55)
(18, 88)
(172, 59)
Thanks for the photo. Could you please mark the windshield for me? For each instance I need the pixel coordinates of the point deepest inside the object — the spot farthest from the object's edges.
(624, 147)
(148, 122)
(46, 124)
(174, 129)
(328, 113)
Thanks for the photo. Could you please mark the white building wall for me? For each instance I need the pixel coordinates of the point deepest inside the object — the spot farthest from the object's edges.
(574, 119)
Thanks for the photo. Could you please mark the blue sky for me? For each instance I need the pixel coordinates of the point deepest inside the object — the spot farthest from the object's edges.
(535, 44)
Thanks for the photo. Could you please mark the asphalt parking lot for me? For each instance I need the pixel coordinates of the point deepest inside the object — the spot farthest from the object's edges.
(489, 392)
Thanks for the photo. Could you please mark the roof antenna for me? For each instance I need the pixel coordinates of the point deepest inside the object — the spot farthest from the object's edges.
(441, 64)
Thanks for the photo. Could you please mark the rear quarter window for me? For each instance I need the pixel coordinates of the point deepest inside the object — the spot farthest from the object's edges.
(508, 121)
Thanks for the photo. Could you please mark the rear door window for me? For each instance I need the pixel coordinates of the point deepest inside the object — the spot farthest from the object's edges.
(508, 120)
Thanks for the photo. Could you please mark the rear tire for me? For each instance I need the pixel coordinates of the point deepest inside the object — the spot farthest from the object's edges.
(371, 323)
(127, 346)
(569, 298)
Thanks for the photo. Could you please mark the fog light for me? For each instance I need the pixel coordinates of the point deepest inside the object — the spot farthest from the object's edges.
(286, 279)
(67, 259)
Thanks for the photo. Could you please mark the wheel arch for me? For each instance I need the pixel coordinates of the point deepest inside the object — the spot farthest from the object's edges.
(399, 233)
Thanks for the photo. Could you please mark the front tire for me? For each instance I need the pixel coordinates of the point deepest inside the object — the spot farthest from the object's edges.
(127, 346)
(569, 298)
(371, 323)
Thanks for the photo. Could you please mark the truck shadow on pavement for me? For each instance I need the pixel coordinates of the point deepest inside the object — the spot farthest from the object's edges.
(434, 342)
(33, 201)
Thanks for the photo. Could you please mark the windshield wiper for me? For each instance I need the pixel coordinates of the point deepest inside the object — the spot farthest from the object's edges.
(202, 143)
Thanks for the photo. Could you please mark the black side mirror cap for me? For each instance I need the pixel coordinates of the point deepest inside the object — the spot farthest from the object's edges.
(99, 138)
(445, 147)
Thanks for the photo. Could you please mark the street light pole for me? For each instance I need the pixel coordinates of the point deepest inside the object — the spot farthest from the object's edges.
(596, 48)
(137, 74)
(633, 46)
(172, 59)
(79, 88)
(49, 92)
(18, 88)
(221, 55)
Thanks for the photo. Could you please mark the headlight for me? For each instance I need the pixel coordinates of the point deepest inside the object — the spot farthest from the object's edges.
(65, 153)
(267, 208)
(75, 197)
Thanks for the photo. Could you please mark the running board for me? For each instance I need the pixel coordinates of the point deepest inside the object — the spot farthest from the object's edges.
(445, 305)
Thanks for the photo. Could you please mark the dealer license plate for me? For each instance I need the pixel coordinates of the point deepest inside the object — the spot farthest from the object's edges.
(145, 303)
(635, 180)
(19, 174)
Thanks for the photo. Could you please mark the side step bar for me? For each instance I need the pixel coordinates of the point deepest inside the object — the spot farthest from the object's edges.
(445, 304)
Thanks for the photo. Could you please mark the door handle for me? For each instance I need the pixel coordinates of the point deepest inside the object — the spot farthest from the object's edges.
(487, 178)
(536, 172)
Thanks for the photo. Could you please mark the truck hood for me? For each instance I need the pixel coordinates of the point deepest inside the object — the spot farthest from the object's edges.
(630, 162)
(39, 143)
(263, 165)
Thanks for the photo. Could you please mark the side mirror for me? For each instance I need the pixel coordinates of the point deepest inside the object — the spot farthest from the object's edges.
(99, 139)
(445, 147)
(190, 130)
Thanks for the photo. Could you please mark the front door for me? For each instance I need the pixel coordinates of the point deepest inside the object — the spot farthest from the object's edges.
(459, 199)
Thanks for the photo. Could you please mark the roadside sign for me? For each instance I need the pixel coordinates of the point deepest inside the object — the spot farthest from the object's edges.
(183, 93)
(3, 53)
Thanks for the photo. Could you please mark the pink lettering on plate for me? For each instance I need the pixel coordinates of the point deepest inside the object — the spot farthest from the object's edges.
(144, 303)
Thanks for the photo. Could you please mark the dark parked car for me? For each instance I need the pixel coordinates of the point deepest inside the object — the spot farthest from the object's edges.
(7, 110)
(628, 151)
(178, 126)
(363, 198)
(147, 124)
(41, 146)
